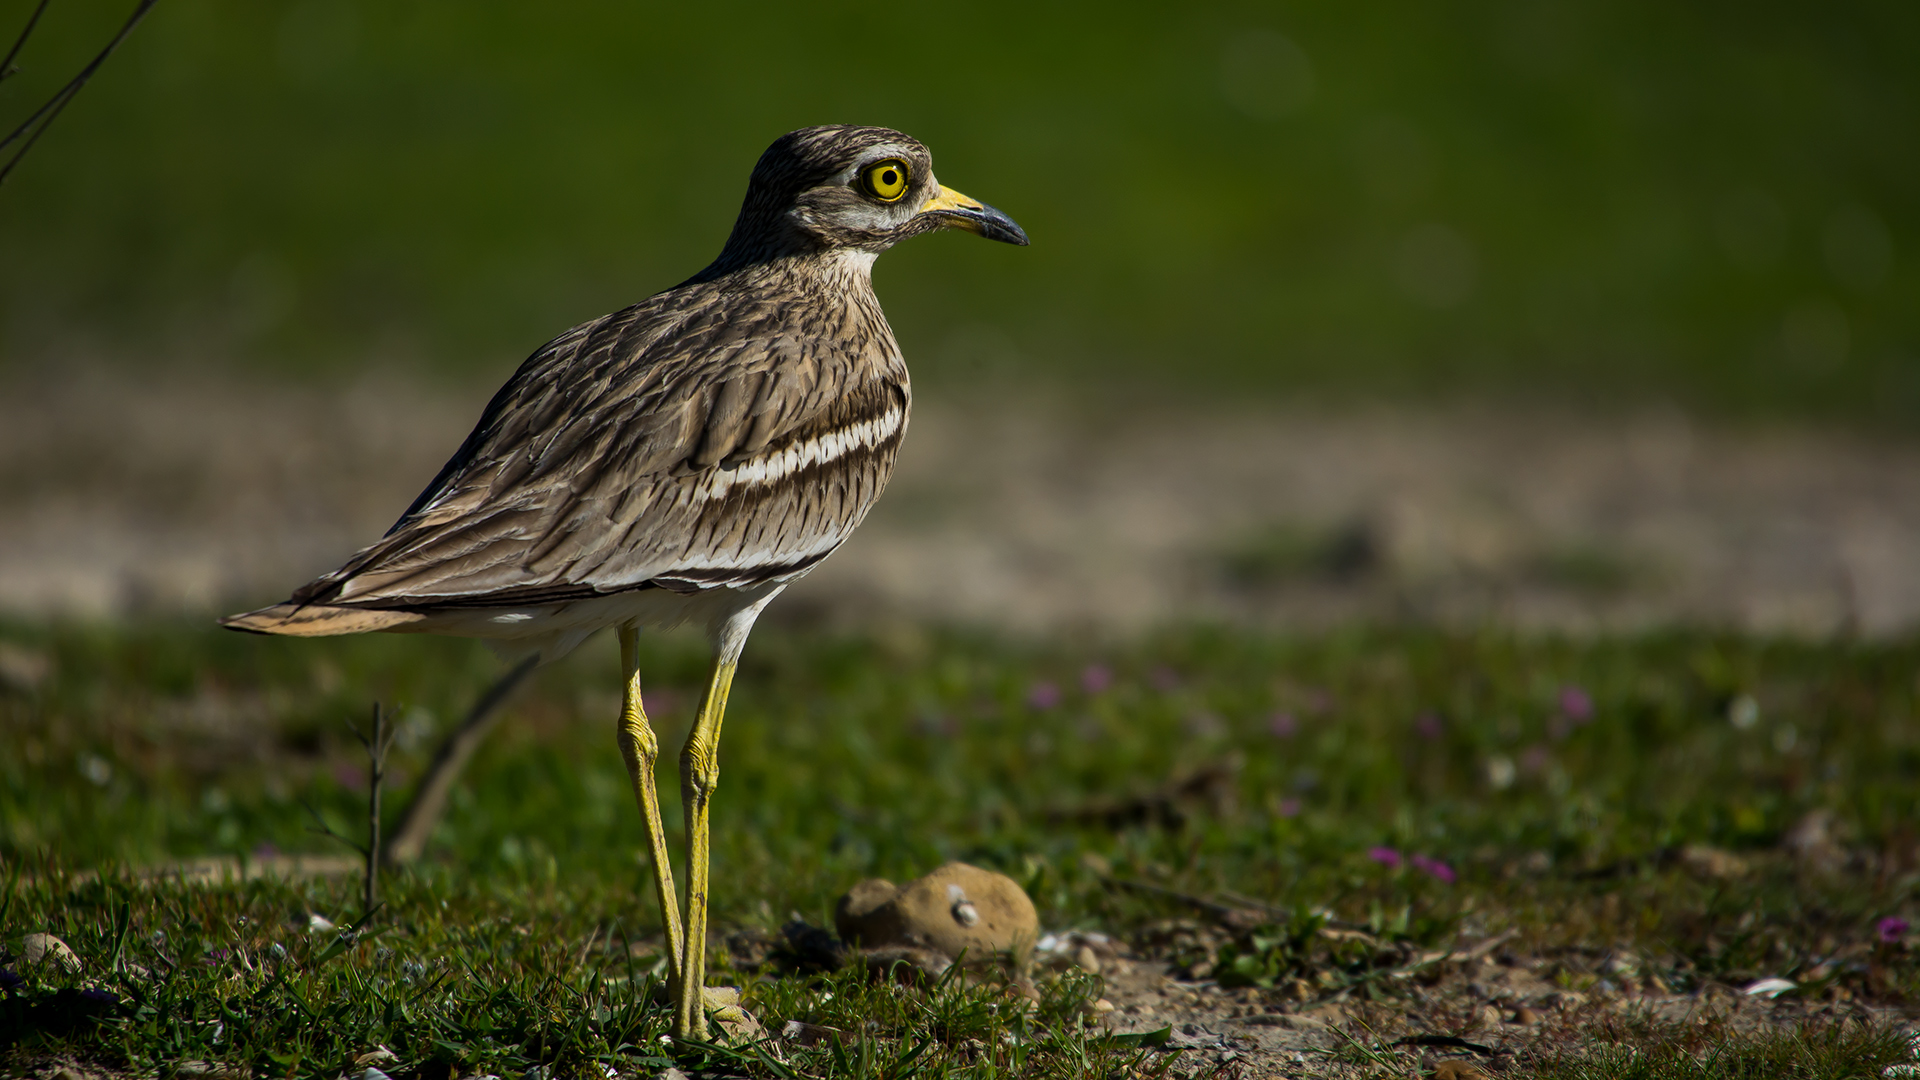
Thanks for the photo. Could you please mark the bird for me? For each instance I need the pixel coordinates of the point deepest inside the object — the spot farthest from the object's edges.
(680, 461)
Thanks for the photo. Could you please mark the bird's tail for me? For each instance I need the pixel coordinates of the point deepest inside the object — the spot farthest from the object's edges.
(319, 620)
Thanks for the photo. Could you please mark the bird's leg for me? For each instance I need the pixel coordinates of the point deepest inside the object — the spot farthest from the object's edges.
(641, 749)
(699, 776)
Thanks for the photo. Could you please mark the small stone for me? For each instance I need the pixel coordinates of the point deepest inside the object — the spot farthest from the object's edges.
(1524, 1015)
(670, 1073)
(1489, 1015)
(799, 1031)
(860, 903)
(1087, 959)
(1099, 1006)
(43, 948)
(965, 913)
(956, 908)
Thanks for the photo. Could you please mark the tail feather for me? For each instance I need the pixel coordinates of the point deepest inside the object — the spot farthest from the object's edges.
(319, 620)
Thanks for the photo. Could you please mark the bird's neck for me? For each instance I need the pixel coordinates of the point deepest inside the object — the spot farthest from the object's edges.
(840, 273)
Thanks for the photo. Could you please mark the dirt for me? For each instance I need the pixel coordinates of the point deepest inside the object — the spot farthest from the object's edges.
(1021, 511)
(1489, 1011)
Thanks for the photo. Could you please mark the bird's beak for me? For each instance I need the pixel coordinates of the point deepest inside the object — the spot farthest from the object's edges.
(974, 216)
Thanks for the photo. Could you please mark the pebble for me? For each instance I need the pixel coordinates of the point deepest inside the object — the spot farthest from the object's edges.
(1524, 1015)
(955, 908)
(40, 948)
(799, 1031)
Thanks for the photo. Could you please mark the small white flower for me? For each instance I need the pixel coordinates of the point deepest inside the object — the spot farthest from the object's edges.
(1501, 772)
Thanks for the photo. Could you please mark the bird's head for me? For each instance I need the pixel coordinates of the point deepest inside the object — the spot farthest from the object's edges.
(843, 187)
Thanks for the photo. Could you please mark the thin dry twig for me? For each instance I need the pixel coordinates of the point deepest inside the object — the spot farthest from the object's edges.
(36, 124)
(430, 795)
(376, 742)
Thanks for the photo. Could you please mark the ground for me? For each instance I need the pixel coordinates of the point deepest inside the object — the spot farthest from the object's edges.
(1313, 729)
(1300, 849)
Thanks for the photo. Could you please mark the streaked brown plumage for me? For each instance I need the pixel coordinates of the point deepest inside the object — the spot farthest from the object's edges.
(684, 458)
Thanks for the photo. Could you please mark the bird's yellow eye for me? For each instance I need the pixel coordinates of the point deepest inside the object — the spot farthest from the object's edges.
(887, 180)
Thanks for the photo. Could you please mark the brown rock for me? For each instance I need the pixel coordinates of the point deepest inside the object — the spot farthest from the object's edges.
(953, 909)
(1455, 1069)
(860, 903)
(1524, 1015)
(45, 948)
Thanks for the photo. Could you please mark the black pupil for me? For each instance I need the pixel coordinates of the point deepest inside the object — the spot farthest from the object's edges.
(889, 178)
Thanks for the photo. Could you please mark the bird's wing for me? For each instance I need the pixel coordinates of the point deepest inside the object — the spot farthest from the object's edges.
(680, 444)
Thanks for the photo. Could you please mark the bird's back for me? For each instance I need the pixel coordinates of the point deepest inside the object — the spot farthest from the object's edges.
(727, 433)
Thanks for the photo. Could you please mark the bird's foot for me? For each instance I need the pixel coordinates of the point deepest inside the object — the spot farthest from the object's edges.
(723, 1008)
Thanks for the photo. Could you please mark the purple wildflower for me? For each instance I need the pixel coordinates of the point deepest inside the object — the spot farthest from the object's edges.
(1576, 704)
(1282, 725)
(1893, 928)
(1096, 678)
(1385, 856)
(1289, 807)
(1043, 695)
(1428, 725)
(1434, 867)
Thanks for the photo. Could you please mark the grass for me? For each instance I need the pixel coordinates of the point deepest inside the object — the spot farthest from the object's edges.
(1628, 807)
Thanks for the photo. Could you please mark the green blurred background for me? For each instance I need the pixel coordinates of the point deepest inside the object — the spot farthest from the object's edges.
(1710, 203)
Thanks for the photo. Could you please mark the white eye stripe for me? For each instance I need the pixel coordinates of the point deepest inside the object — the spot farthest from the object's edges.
(774, 466)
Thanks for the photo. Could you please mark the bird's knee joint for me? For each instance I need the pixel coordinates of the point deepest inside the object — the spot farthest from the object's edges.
(637, 738)
(702, 783)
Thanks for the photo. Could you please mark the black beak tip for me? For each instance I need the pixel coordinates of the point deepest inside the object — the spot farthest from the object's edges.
(995, 225)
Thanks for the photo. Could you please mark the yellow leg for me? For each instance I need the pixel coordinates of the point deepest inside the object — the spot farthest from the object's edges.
(699, 776)
(641, 749)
